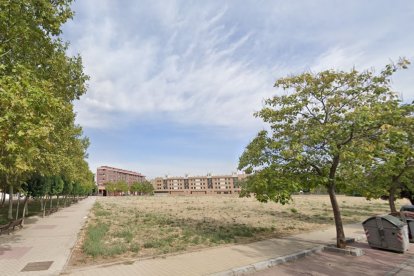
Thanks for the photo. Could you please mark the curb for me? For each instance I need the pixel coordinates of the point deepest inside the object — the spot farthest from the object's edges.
(249, 269)
(269, 263)
(353, 251)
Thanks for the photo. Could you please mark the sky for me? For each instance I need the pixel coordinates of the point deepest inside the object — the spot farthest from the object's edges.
(174, 84)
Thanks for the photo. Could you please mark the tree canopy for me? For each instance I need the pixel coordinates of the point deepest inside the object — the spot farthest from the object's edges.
(39, 83)
(323, 128)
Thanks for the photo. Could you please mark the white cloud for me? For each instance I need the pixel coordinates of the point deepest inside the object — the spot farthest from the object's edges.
(199, 82)
(205, 63)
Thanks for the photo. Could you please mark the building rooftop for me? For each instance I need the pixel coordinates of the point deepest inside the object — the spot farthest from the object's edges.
(119, 170)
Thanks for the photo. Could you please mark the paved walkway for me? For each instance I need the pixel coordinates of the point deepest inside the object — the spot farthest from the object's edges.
(374, 262)
(217, 260)
(48, 240)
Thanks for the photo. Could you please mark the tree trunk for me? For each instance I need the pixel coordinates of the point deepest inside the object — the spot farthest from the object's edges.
(44, 206)
(24, 208)
(340, 235)
(51, 202)
(27, 206)
(10, 214)
(391, 199)
(64, 201)
(3, 197)
(18, 205)
(57, 204)
(41, 203)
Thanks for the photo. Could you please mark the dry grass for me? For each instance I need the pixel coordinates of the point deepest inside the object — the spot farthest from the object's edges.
(124, 228)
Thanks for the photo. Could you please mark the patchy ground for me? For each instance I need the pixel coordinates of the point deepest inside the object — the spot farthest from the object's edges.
(127, 228)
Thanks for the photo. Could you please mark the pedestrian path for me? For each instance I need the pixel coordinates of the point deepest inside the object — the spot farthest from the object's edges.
(222, 259)
(44, 245)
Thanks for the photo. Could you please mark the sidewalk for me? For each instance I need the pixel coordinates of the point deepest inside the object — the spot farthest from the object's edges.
(222, 259)
(48, 240)
(374, 262)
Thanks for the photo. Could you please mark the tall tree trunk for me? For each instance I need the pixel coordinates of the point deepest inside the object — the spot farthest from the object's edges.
(10, 214)
(27, 206)
(41, 203)
(51, 201)
(391, 199)
(57, 204)
(44, 206)
(340, 235)
(24, 208)
(64, 201)
(3, 197)
(18, 205)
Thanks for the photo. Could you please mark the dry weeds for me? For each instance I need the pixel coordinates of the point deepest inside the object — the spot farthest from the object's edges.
(125, 228)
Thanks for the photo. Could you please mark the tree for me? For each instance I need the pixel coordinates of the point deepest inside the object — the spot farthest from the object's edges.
(122, 186)
(142, 187)
(147, 188)
(324, 122)
(67, 189)
(38, 84)
(111, 187)
(56, 188)
(391, 171)
(136, 187)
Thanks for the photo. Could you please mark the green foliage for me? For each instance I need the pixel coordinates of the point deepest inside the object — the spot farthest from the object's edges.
(93, 244)
(67, 187)
(56, 185)
(38, 84)
(142, 187)
(35, 186)
(110, 187)
(322, 132)
(117, 187)
(122, 186)
(391, 171)
(270, 184)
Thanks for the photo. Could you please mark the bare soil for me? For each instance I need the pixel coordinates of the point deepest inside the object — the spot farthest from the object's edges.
(129, 228)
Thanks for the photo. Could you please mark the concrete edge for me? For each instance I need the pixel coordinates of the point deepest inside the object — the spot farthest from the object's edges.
(349, 250)
(283, 259)
(269, 263)
(84, 224)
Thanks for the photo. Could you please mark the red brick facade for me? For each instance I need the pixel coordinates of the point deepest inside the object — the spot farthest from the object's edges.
(106, 174)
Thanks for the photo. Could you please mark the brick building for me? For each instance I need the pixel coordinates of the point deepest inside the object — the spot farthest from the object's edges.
(106, 174)
(200, 185)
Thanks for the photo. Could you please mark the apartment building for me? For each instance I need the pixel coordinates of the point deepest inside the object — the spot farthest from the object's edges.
(106, 174)
(199, 185)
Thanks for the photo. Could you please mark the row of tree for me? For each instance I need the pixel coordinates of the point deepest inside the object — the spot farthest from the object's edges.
(334, 129)
(136, 188)
(41, 147)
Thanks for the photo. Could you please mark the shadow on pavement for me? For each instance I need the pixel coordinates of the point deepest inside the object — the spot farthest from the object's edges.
(374, 262)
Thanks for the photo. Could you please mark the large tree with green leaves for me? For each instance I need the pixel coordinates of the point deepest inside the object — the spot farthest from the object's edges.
(391, 172)
(319, 127)
(38, 84)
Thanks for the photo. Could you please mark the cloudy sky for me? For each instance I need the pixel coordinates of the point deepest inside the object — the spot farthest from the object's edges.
(174, 84)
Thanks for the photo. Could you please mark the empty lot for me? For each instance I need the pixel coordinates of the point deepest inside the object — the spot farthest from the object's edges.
(126, 228)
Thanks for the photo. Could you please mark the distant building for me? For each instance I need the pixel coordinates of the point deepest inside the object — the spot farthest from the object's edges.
(105, 174)
(198, 185)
